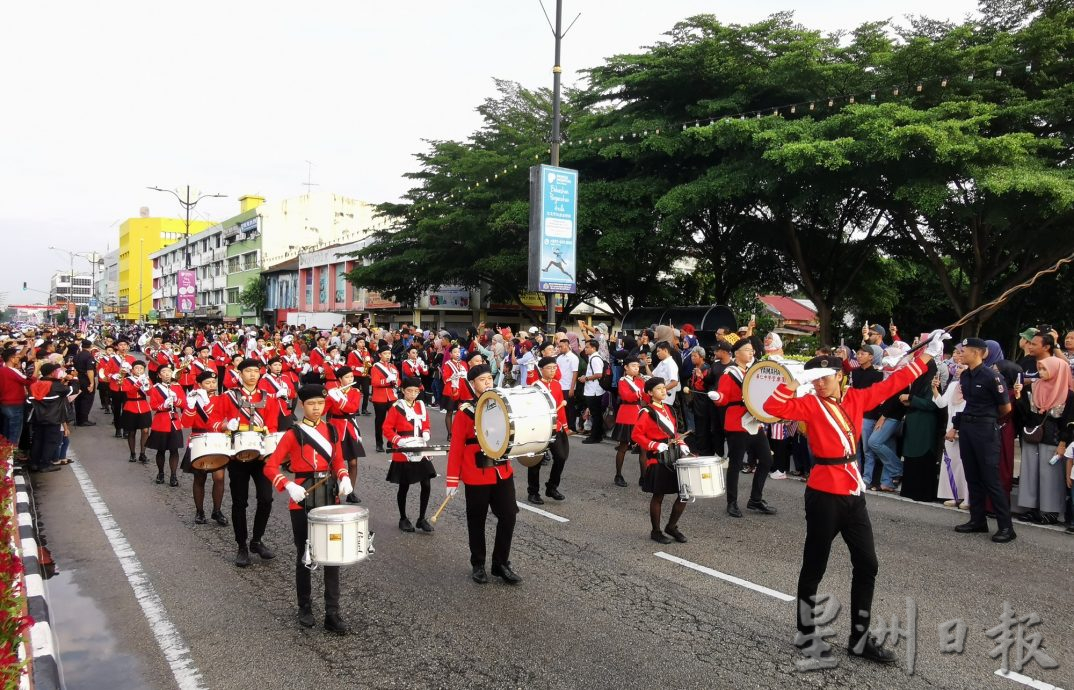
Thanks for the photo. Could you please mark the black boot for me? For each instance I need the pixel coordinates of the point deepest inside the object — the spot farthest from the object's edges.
(174, 481)
(133, 459)
(160, 477)
(305, 616)
(334, 624)
(478, 575)
(868, 648)
(143, 459)
(424, 525)
(242, 557)
(504, 571)
(261, 550)
(199, 518)
(219, 518)
(405, 525)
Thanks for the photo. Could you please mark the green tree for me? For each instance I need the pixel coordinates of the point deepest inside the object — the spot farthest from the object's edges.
(255, 295)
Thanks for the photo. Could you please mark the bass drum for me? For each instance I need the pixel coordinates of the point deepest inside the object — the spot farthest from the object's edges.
(761, 381)
(514, 422)
(210, 452)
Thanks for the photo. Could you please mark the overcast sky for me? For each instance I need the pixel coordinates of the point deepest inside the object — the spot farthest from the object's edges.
(103, 99)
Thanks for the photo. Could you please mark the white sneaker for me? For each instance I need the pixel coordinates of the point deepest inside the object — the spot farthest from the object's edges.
(777, 475)
(951, 503)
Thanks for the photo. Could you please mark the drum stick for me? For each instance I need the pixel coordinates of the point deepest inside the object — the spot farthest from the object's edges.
(318, 484)
(436, 515)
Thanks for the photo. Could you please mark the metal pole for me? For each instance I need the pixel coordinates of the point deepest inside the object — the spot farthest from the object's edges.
(71, 289)
(557, 70)
(187, 207)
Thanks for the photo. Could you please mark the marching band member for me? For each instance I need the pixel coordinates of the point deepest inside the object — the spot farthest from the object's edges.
(414, 367)
(407, 424)
(744, 433)
(186, 375)
(202, 414)
(385, 379)
(222, 352)
(163, 356)
(361, 361)
(334, 360)
(548, 349)
(632, 397)
(166, 400)
(133, 390)
(103, 383)
(317, 356)
(201, 364)
(835, 492)
(489, 484)
(560, 447)
(655, 433)
(115, 370)
(232, 377)
(452, 373)
(292, 365)
(312, 448)
(279, 395)
(341, 408)
(240, 409)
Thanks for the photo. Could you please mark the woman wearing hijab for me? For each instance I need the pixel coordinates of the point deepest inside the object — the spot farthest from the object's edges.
(952, 486)
(1010, 372)
(1046, 408)
(922, 463)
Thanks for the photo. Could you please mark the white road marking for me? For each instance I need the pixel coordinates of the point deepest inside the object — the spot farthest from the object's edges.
(168, 638)
(1026, 680)
(724, 576)
(550, 516)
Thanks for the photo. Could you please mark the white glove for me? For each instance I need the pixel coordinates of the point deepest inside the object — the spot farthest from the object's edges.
(282, 394)
(661, 447)
(685, 449)
(337, 395)
(345, 486)
(191, 402)
(116, 377)
(425, 436)
(390, 378)
(232, 425)
(713, 396)
(168, 404)
(935, 346)
(410, 442)
(297, 493)
(451, 490)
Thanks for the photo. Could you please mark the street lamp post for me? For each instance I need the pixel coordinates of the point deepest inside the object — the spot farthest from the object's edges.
(93, 258)
(187, 205)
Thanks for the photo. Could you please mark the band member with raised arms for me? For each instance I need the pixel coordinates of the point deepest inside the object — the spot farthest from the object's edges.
(313, 450)
(360, 360)
(341, 407)
(560, 447)
(201, 363)
(134, 391)
(632, 397)
(385, 380)
(744, 433)
(656, 435)
(489, 484)
(202, 414)
(835, 492)
(452, 373)
(279, 396)
(241, 408)
(407, 424)
(166, 400)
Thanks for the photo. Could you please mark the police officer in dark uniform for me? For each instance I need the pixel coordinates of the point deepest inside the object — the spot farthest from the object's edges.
(978, 440)
(86, 366)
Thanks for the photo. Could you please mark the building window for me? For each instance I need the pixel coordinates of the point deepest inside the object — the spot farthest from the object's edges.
(249, 261)
(233, 264)
(233, 296)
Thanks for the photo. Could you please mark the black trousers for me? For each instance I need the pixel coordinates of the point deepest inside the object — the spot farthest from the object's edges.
(45, 444)
(501, 498)
(105, 393)
(704, 420)
(363, 386)
(740, 443)
(239, 475)
(559, 448)
(828, 515)
(303, 579)
(116, 398)
(596, 415)
(979, 444)
(781, 453)
(380, 413)
(83, 403)
(719, 436)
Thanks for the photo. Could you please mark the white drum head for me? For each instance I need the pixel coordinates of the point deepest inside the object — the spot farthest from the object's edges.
(493, 424)
(759, 384)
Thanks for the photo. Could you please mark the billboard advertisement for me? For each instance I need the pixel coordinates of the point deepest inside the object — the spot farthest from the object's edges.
(187, 291)
(553, 229)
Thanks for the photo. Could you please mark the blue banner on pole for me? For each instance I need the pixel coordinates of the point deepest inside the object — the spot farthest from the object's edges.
(553, 229)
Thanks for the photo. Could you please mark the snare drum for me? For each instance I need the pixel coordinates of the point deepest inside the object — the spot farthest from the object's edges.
(210, 452)
(515, 421)
(701, 477)
(247, 446)
(339, 535)
(269, 443)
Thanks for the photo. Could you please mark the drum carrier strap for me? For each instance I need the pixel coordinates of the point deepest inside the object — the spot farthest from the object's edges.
(325, 494)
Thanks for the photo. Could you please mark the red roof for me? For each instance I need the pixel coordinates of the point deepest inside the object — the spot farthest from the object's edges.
(789, 309)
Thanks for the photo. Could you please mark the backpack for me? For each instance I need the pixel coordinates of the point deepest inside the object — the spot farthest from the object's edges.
(605, 379)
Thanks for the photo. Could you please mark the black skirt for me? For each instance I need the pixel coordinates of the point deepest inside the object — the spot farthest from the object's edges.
(352, 448)
(132, 421)
(186, 465)
(410, 472)
(448, 404)
(165, 440)
(622, 432)
(658, 479)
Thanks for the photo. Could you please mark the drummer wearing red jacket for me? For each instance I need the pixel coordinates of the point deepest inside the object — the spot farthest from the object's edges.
(632, 397)
(560, 446)
(166, 401)
(202, 414)
(341, 408)
(385, 380)
(489, 484)
(312, 448)
(407, 424)
(834, 498)
(655, 433)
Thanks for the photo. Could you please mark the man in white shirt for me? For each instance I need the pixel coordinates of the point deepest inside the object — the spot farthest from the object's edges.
(567, 362)
(667, 369)
(593, 392)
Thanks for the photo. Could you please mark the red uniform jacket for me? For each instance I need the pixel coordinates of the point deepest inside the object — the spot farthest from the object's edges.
(137, 400)
(309, 448)
(632, 397)
(247, 418)
(383, 390)
(232, 379)
(730, 390)
(454, 375)
(833, 426)
(204, 419)
(415, 368)
(359, 361)
(533, 375)
(14, 386)
(220, 354)
(341, 414)
(317, 359)
(462, 462)
(275, 406)
(162, 357)
(292, 369)
(398, 426)
(648, 433)
(197, 367)
(167, 419)
(114, 366)
(556, 389)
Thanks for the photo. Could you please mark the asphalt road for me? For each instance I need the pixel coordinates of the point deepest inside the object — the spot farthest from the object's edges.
(598, 608)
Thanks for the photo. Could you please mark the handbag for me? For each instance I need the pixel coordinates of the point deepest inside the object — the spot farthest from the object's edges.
(1034, 435)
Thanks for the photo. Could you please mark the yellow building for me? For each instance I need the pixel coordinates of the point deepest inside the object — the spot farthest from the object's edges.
(138, 238)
